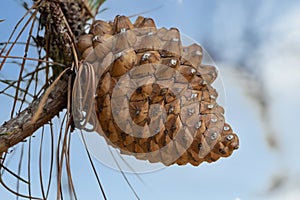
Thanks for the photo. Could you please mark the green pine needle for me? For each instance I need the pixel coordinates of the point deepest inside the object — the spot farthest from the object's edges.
(94, 5)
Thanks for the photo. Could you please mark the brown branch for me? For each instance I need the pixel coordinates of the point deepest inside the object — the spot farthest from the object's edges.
(63, 22)
(18, 128)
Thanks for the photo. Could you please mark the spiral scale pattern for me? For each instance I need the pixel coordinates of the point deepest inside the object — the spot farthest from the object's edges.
(154, 98)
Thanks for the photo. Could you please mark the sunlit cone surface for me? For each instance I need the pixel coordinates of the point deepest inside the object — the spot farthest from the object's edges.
(158, 89)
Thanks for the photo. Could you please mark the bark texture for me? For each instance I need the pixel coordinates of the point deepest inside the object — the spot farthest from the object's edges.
(17, 129)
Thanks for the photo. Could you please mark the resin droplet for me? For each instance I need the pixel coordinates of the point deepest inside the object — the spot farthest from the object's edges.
(150, 33)
(213, 136)
(95, 38)
(171, 109)
(123, 30)
(198, 53)
(193, 71)
(226, 128)
(173, 62)
(191, 111)
(146, 56)
(200, 146)
(175, 39)
(212, 97)
(137, 112)
(198, 125)
(210, 106)
(229, 137)
(193, 96)
(118, 55)
(214, 120)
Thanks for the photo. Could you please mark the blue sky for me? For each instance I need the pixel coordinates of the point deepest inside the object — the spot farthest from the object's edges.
(256, 47)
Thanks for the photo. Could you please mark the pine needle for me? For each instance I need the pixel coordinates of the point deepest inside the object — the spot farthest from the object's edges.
(45, 97)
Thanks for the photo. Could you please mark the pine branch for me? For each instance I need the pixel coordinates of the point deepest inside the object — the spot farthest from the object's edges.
(18, 128)
(63, 21)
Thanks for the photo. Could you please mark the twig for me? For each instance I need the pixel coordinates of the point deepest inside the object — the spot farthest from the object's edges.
(20, 127)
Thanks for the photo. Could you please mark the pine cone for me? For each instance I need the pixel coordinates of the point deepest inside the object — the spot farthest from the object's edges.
(154, 98)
